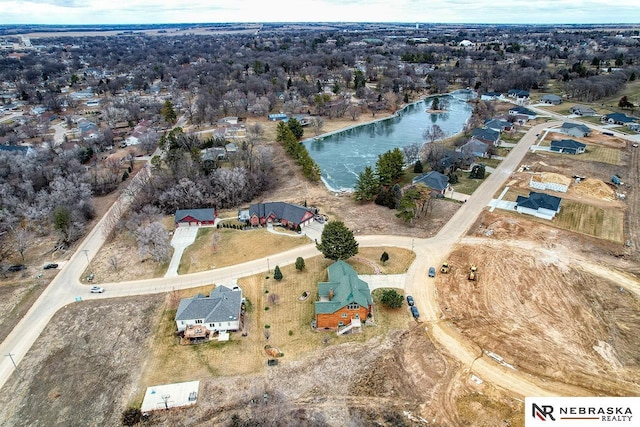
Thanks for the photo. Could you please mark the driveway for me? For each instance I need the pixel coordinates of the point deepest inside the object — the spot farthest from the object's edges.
(377, 281)
(182, 237)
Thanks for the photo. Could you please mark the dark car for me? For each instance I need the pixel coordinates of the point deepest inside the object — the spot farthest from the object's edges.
(17, 267)
(432, 272)
(50, 266)
(414, 311)
(410, 300)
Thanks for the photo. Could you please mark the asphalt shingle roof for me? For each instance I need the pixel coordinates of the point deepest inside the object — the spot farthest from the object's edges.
(539, 200)
(281, 210)
(433, 179)
(222, 305)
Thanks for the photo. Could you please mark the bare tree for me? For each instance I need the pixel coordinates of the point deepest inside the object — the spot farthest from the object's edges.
(273, 299)
(354, 111)
(433, 134)
(412, 152)
(317, 123)
(113, 261)
(215, 241)
(153, 240)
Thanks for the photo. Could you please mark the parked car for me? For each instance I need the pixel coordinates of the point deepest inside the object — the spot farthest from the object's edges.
(50, 266)
(432, 272)
(414, 312)
(97, 289)
(410, 300)
(17, 267)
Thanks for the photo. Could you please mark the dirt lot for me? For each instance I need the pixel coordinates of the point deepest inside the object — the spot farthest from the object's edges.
(82, 369)
(539, 310)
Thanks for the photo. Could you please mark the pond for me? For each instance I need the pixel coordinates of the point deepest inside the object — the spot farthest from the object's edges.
(344, 154)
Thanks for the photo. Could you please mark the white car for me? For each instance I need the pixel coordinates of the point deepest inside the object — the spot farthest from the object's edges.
(96, 289)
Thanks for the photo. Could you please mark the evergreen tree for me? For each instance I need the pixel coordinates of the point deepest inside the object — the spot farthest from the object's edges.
(299, 263)
(417, 167)
(277, 274)
(296, 128)
(384, 257)
(367, 185)
(168, 112)
(390, 166)
(337, 242)
(391, 298)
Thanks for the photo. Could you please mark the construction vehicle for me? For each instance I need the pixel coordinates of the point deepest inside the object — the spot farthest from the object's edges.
(444, 268)
(473, 273)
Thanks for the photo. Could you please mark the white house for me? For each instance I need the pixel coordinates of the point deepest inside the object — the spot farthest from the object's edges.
(221, 311)
(539, 205)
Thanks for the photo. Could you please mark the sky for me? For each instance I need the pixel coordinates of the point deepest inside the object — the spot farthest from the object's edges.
(426, 11)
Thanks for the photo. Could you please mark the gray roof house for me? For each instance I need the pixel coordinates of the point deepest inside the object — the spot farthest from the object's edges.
(475, 148)
(582, 110)
(498, 125)
(520, 110)
(538, 204)
(575, 129)
(437, 182)
(219, 312)
(617, 118)
(489, 136)
(288, 214)
(568, 146)
(551, 99)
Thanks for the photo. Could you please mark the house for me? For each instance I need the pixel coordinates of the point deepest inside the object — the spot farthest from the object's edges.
(24, 150)
(187, 217)
(617, 118)
(551, 99)
(475, 148)
(581, 110)
(575, 129)
(491, 96)
(203, 316)
(288, 214)
(343, 299)
(568, 146)
(498, 125)
(489, 136)
(437, 182)
(518, 94)
(634, 127)
(522, 111)
(538, 204)
(276, 117)
(214, 154)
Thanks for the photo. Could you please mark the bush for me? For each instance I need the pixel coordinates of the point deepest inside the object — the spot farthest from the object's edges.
(131, 416)
(299, 263)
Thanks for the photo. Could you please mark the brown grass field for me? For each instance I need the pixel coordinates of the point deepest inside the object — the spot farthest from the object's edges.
(235, 247)
(594, 221)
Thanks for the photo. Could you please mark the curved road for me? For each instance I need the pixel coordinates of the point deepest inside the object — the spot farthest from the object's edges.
(65, 287)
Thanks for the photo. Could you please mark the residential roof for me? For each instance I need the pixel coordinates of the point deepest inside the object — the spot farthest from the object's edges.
(492, 94)
(204, 214)
(280, 210)
(346, 286)
(222, 305)
(486, 134)
(539, 200)
(519, 93)
(497, 124)
(582, 108)
(475, 146)
(619, 117)
(522, 110)
(567, 143)
(433, 179)
(568, 125)
(551, 97)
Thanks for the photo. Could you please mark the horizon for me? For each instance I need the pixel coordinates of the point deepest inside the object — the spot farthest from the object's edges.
(199, 12)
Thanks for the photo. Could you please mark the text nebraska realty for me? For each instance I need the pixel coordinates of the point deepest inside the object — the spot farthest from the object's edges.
(609, 413)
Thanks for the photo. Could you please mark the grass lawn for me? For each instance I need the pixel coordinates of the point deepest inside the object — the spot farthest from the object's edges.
(593, 120)
(595, 221)
(269, 302)
(467, 185)
(596, 153)
(514, 139)
(492, 163)
(399, 260)
(235, 247)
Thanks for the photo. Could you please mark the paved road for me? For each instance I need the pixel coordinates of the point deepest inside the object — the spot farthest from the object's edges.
(429, 252)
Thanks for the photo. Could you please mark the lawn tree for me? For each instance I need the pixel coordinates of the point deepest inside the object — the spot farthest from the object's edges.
(367, 185)
(435, 104)
(299, 263)
(215, 241)
(296, 128)
(417, 167)
(391, 298)
(412, 152)
(317, 123)
(277, 274)
(168, 113)
(62, 221)
(477, 172)
(384, 257)
(21, 237)
(274, 299)
(337, 241)
(433, 134)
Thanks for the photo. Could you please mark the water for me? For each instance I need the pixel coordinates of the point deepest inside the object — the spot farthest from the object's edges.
(343, 155)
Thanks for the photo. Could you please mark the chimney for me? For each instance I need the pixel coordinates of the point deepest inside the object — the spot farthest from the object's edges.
(330, 294)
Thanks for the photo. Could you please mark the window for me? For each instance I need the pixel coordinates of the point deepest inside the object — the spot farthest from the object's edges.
(212, 325)
(199, 321)
(353, 306)
(344, 315)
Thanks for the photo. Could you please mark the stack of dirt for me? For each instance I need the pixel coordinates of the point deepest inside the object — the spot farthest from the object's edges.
(555, 178)
(595, 188)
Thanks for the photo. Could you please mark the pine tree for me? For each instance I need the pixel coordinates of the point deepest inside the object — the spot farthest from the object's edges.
(299, 263)
(337, 242)
(417, 167)
(277, 274)
(367, 185)
(384, 257)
